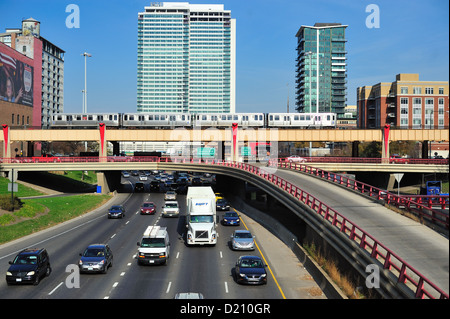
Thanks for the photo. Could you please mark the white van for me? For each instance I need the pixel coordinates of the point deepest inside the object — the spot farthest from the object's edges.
(154, 248)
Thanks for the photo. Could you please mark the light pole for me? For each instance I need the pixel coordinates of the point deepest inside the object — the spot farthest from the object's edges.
(85, 54)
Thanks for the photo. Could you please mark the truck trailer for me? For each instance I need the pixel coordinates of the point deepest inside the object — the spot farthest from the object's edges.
(201, 220)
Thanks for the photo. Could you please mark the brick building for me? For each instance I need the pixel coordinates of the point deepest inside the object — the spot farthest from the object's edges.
(405, 103)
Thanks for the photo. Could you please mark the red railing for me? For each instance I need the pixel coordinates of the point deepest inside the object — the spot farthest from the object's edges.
(403, 271)
(405, 274)
(370, 160)
(422, 209)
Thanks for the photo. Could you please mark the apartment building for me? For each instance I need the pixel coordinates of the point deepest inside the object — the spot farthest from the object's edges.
(406, 103)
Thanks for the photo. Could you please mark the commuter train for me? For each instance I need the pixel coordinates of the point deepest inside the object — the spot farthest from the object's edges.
(187, 120)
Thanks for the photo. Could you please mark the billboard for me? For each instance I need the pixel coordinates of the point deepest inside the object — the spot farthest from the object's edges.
(16, 80)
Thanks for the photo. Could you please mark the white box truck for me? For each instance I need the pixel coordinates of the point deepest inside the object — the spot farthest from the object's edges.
(201, 216)
(154, 247)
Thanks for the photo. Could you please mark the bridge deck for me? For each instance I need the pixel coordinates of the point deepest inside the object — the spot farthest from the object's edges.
(420, 246)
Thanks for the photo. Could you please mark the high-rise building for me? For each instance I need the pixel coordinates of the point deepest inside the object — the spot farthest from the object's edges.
(28, 41)
(405, 103)
(186, 58)
(321, 72)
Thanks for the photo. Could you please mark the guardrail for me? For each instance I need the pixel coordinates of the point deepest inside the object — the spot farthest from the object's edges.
(368, 160)
(423, 209)
(405, 274)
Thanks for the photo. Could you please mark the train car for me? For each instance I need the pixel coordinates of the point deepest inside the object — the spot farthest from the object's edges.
(325, 120)
(301, 120)
(89, 120)
(156, 120)
(290, 120)
(226, 120)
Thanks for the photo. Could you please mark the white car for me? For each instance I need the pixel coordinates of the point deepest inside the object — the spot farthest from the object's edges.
(170, 195)
(142, 177)
(296, 159)
(170, 209)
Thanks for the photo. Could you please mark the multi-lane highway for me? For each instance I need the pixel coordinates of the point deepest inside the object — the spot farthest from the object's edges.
(208, 270)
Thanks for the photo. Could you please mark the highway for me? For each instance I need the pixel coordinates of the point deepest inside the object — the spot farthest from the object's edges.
(207, 270)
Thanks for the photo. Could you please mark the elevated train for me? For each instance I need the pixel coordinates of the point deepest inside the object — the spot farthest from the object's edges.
(187, 120)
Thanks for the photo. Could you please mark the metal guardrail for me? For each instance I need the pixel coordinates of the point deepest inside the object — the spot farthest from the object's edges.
(405, 274)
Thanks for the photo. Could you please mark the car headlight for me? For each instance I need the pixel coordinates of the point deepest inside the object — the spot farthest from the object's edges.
(101, 262)
(242, 275)
(8, 273)
(263, 276)
(31, 273)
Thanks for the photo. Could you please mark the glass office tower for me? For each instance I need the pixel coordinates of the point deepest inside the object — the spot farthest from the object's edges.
(321, 73)
(186, 58)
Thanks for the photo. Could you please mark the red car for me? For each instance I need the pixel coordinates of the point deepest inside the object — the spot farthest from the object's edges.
(148, 208)
(397, 159)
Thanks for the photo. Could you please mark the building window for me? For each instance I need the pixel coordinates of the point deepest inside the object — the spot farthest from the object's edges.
(441, 90)
(429, 90)
(417, 90)
(404, 90)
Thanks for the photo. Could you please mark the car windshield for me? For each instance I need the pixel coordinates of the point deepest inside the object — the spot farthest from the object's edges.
(251, 263)
(153, 242)
(222, 201)
(231, 214)
(148, 205)
(25, 260)
(171, 205)
(242, 235)
(94, 252)
(115, 208)
(201, 219)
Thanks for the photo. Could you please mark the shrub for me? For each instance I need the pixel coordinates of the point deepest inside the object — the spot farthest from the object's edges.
(5, 202)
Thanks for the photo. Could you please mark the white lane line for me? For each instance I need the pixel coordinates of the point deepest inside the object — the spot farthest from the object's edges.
(55, 288)
(221, 256)
(113, 236)
(127, 222)
(106, 297)
(129, 264)
(122, 273)
(115, 284)
(168, 287)
(226, 287)
(178, 254)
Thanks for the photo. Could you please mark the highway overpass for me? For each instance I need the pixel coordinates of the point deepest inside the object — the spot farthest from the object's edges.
(412, 258)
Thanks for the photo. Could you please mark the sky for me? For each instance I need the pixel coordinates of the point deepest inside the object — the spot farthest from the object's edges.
(412, 37)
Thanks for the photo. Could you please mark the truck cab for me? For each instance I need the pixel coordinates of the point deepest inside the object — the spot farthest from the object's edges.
(154, 247)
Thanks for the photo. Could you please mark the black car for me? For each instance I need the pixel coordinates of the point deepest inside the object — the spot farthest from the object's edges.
(222, 204)
(250, 270)
(116, 211)
(96, 258)
(29, 266)
(139, 187)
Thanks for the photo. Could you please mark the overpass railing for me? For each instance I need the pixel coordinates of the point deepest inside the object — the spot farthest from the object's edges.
(414, 204)
(405, 274)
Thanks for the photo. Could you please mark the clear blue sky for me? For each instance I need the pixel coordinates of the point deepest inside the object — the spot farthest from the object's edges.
(413, 37)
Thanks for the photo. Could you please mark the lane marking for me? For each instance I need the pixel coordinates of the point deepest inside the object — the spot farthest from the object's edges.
(226, 287)
(113, 236)
(115, 284)
(221, 256)
(168, 287)
(268, 267)
(55, 288)
(122, 273)
(178, 254)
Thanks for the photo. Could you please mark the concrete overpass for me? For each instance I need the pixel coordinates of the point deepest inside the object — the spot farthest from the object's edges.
(103, 136)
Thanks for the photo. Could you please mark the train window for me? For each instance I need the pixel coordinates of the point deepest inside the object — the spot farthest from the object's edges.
(172, 118)
(277, 117)
(131, 117)
(235, 118)
(69, 117)
(59, 117)
(163, 117)
(203, 117)
(214, 117)
(100, 118)
(271, 117)
(308, 117)
(183, 117)
(328, 117)
(295, 117)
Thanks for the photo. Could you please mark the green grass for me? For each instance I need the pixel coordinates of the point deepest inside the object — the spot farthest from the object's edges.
(23, 191)
(40, 213)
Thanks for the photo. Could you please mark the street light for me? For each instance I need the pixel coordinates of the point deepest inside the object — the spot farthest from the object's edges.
(85, 54)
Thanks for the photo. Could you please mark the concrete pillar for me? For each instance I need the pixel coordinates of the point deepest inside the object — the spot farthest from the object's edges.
(7, 141)
(385, 144)
(103, 143)
(355, 149)
(425, 150)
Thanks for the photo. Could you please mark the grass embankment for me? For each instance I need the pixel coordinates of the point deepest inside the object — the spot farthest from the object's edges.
(39, 213)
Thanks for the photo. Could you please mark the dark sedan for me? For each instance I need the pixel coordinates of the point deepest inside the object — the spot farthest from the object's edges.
(96, 258)
(148, 208)
(231, 218)
(116, 211)
(222, 204)
(251, 270)
(29, 266)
